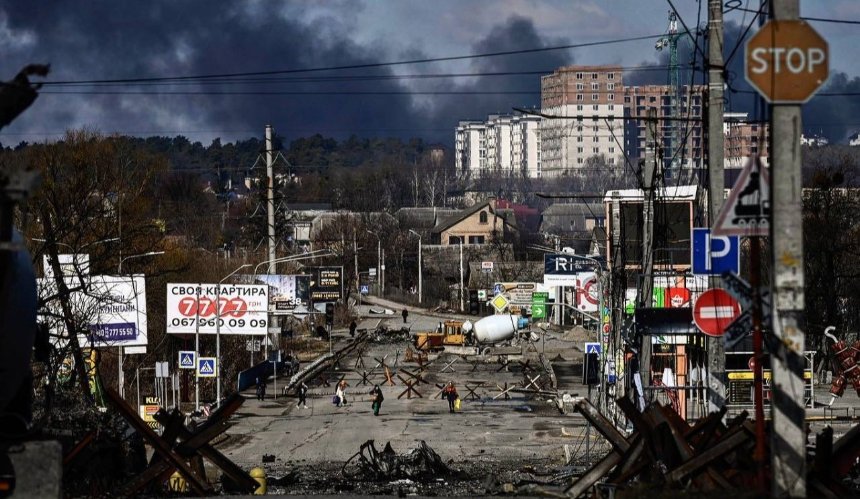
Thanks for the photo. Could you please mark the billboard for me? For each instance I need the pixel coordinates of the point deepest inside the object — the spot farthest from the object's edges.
(288, 294)
(238, 309)
(326, 284)
(564, 270)
(112, 307)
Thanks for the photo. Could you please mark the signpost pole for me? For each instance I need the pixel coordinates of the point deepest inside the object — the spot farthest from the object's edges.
(197, 349)
(758, 381)
(788, 438)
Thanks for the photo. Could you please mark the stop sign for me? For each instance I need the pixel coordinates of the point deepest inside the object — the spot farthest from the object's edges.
(786, 61)
(714, 310)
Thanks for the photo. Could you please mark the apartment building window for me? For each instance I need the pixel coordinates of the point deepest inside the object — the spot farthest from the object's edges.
(595, 150)
(611, 108)
(595, 86)
(579, 97)
(580, 86)
(595, 139)
(579, 160)
(611, 161)
(611, 96)
(627, 99)
(579, 139)
(593, 76)
(595, 107)
(579, 150)
(594, 128)
(610, 86)
(611, 150)
(579, 128)
(579, 107)
(594, 96)
(578, 76)
(610, 76)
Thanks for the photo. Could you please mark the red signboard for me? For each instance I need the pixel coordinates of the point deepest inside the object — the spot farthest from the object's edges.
(714, 310)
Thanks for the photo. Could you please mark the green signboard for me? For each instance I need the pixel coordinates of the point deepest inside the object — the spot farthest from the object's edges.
(539, 305)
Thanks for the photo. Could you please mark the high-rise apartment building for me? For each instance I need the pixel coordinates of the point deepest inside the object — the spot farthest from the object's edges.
(502, 145)
(586, 105)
(744, 139)
(680, 137)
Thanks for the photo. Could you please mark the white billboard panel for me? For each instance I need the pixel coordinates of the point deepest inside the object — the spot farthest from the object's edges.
(112, 307)
(241, 309)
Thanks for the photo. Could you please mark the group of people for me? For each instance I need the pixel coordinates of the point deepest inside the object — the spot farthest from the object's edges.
(449, 393)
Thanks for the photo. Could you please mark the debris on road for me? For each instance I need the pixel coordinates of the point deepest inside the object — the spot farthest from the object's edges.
(419, 464)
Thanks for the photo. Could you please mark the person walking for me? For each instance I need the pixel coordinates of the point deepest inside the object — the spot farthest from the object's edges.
(376, 396)
(303, 393)
(450, 393)
(405, 314)
(340, 393)
(261, 389)
(352, 326)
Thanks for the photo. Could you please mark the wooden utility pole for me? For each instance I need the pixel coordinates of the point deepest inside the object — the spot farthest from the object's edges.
(788, 436)
(716, 346)
(649, 193)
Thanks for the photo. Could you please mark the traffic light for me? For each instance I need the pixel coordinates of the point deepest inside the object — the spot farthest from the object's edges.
(473, 302)
(329, 313)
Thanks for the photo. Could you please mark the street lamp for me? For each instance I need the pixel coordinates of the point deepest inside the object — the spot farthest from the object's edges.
(218, 332)
(378, 261)
(149, 253)
(121, 375)
(420, 277)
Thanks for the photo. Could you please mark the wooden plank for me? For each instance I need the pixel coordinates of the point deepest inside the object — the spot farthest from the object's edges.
(603, 425)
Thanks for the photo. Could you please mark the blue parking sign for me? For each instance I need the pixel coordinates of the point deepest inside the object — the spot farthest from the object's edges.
(207, 367)
(714, 255)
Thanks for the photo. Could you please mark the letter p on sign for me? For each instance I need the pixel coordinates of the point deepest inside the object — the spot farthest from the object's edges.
(787, 61)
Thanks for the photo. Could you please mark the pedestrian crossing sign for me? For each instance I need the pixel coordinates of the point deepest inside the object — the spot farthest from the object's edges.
(207, 367)
(186, 359)
(592, 348)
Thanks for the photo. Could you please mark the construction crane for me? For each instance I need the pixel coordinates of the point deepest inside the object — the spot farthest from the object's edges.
(670, 41)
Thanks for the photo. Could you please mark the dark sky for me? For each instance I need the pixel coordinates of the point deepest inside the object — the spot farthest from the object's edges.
(98, 40)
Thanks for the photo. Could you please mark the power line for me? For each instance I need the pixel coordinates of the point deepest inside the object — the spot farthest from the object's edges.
(805, 18)
(360, 66)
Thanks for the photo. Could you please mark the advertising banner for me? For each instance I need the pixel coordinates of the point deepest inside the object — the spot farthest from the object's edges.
(288, 294)
(241, 309)
(563, 270)
(113, 307)
(587, 292)
(327, 284)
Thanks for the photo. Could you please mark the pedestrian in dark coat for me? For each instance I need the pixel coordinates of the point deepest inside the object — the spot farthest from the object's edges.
(302, 391)
(352, 326)
(405, 314)
(376, 395)
(261, 389)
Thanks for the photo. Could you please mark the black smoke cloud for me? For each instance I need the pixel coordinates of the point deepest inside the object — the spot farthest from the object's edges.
(105, 39)
(831, 116)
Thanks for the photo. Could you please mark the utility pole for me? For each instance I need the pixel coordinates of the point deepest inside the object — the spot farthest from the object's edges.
(270, 212)
(788, 437)
(462, 303)
(716, 346)
(648, 187)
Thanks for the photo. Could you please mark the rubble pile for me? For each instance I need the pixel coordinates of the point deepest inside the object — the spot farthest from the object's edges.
(384, 335)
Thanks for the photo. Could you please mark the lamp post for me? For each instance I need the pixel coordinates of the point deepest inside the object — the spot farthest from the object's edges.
(121, 376)
(378, 261)
(420, 277)
(218, 332)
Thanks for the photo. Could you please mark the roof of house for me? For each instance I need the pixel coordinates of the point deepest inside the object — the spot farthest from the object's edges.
(569, 217)
(464, 214)
(423, 218)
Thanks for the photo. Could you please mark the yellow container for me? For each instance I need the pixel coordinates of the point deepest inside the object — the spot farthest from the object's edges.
(259, 474)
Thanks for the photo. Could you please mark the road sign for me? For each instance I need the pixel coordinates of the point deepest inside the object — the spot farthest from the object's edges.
(253, 345)
(786, 61)
(742, 291)
(714, 310)
(499, 303)
(713, 255)
(482, 294)
(593, 348)
(746, 212)
(162, 370)
(207, 367)
(186, 359)
(486, 267)
(365, 289)
(498, 289)
(539, 304)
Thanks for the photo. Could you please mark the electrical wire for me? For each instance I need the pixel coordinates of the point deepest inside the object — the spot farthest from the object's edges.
(359, 66)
